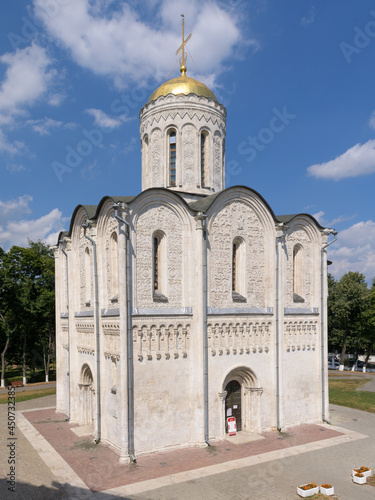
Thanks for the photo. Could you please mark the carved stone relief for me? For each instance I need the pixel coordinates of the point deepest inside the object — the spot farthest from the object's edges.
(300, 335)
(156, 169)
(85, 337)
(161, 340)
(236, 219)
(299, 236)
(159, 218)
(245, 337)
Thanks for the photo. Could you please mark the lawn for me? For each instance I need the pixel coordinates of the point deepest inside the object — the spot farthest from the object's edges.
(343, 392)
(25, 395)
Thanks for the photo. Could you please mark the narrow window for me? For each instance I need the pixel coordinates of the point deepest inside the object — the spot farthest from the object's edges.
(145, 153)
(234, 270)
(298, 274)
(204, 159)
(172, 158)
(159, 279)
(238, 270)
(114, 267)
(156, 263)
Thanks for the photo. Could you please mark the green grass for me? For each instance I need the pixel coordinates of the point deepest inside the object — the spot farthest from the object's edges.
(343, 393)
(14, 374)
(26, 395)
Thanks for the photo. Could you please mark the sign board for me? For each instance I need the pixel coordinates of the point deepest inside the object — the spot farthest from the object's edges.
(232, 428)
(229, 412)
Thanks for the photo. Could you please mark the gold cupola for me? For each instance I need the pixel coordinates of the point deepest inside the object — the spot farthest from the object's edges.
(183, 85)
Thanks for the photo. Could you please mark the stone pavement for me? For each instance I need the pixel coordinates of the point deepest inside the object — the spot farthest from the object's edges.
(266, 469)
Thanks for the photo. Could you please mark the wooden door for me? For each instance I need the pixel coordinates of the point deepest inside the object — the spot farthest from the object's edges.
(233, 402)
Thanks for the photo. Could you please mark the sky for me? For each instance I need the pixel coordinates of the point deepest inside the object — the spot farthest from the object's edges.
(75, 73)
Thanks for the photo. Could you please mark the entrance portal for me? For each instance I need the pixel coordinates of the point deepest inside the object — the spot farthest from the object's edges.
(233, 402)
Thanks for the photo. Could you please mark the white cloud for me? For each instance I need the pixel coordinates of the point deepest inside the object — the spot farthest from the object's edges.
(310, 18)
(354, 250)
(14, 208)
(26, 78)
(15, 167)
(372, 120)
(43, 126)
(356, 161)
(119, 44)
(46, 228)
(319, 216)
(102, 119)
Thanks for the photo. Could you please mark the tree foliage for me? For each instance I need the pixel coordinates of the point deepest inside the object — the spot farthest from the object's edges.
(27, 301)
(351, 314)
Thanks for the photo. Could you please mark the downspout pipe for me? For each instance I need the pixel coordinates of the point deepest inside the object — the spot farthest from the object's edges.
(62, 243)
(85, 226)
(284, 228)
(322, 323)
(205, 338)
(130, 358)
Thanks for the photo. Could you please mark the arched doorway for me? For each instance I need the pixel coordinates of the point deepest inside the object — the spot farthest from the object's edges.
(233, 402)
(86, 396)
(241, 396)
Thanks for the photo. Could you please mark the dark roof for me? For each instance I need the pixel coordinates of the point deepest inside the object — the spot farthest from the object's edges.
(289, 218)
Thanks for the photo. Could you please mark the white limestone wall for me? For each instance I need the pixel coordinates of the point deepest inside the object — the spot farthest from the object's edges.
(163, 404)
(302, 382)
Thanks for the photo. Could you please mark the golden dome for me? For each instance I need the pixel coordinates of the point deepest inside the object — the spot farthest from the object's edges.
(182, 85)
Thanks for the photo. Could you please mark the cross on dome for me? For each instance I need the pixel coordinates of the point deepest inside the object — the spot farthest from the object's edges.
(182, 47)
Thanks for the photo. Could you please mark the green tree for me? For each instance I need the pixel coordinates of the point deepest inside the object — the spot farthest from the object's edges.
(346, 306)
(28, 291)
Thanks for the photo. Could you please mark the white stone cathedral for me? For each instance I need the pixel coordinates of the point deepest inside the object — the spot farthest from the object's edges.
(189, 303)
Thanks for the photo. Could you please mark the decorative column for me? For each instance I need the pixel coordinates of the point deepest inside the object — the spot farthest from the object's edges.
(222, 396)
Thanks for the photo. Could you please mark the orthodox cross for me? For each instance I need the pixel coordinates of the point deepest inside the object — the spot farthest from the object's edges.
(184, 42)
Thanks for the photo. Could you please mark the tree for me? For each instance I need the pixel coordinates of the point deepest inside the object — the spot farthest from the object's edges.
(27, 289)
(346, 306)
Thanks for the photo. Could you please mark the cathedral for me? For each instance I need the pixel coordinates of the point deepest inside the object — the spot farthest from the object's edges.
(189, 303)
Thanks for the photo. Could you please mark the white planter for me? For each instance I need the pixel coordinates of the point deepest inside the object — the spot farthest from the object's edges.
(359, 480)
(327, 491)
(366, 473)
(307, 493)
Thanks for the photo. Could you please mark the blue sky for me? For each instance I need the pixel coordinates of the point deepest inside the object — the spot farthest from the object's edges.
(74, 74)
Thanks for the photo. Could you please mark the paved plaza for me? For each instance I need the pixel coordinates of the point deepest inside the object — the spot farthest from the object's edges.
(55, 461)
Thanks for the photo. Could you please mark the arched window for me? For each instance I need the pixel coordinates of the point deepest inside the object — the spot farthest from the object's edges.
(204, 159)
(298, 274)
(238, 270)
(159, 266)
(114, 266)
(87, 277)
(145, 154)
(172, 157)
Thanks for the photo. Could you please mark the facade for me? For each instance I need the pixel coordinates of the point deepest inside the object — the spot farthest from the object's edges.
(189, 302)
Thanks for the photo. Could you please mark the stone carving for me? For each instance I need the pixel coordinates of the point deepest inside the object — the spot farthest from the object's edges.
(300, 335)
(111, 333)
(161, 340)
(218, 164)
(85, 272)
(222, 233)
(188, 155)
(111, 227)
(85, 337)
(164, 219)
(245, 337)
(299, 236)
(156, 158)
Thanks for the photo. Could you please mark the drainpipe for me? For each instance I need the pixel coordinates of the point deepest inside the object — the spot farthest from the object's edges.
(85, 225)
(67, 299)
(130, 358)
(283, 228)
(205, 339)
(322, 317)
